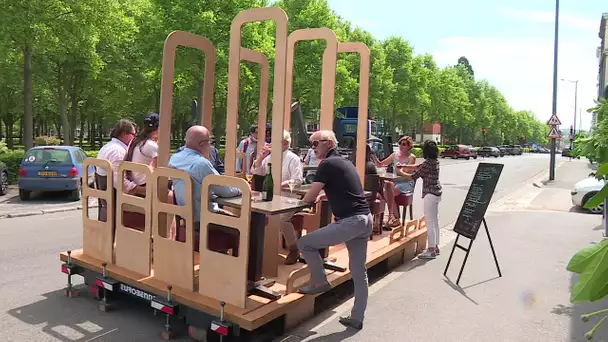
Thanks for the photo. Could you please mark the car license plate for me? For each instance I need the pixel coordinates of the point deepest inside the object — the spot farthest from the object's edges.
(47, 173)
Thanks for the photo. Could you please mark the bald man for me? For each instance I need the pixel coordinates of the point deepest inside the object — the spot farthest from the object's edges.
(192, 160)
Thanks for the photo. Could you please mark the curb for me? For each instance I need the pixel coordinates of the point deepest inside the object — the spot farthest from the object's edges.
(44, 211)
(541, 183)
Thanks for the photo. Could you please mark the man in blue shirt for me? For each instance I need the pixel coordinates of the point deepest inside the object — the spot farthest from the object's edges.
(214, 158)
(191, 159)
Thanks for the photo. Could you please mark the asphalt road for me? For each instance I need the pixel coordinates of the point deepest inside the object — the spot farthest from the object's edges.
(31, 282)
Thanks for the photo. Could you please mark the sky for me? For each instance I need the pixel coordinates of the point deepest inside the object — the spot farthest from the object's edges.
(508, 43)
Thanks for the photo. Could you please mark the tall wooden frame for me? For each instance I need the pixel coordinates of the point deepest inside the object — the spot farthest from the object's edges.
(173, 260)
(328, 78)
(280, 18)
(257, 57)
(229, 273)
(97, 236)
(364, 66)
(175, 39)
(133, 248)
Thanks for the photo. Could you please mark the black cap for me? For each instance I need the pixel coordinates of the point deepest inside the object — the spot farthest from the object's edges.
(152, 120)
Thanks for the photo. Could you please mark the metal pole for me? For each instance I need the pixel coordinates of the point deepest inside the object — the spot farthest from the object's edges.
(575, 102)
(554, 109)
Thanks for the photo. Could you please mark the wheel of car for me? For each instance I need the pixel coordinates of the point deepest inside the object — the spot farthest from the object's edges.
(77, 192)
(595, 210)
(467, 158)
(24, 195)
(3, 183)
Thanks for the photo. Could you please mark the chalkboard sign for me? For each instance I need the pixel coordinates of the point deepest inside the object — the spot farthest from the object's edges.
(477, 200)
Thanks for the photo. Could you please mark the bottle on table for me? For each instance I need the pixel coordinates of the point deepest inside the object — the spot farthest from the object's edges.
(268, 185)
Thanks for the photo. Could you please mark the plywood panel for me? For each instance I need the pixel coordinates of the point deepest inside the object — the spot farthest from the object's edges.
(259, 58)
(173, 260)
(364, 55)
(97, 237)
(224, 277)
(175, 39)
(133, 247)
(280, 18)
(328, 76)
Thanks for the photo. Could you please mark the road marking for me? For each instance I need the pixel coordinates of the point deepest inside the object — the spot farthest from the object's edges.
(101, 335)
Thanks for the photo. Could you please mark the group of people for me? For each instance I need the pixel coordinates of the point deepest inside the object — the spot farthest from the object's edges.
(336, 176)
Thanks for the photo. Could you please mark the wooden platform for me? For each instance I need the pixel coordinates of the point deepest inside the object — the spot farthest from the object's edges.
(296, 307)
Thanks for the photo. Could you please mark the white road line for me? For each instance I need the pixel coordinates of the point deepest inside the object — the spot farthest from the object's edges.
(101, 335)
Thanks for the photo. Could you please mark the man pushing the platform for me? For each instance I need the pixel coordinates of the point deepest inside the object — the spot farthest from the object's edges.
(353, 225)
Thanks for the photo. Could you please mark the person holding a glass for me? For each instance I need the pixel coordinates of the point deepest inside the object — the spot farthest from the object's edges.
(291, 177)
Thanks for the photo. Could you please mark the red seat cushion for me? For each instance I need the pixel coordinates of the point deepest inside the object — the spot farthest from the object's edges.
(298, 222)
(377, 206)
(404, 199)
(134, 220)
(218, 240)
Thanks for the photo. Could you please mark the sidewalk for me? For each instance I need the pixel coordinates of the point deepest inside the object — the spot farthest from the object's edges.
(534, 238)
(529, 303)
(11, 206)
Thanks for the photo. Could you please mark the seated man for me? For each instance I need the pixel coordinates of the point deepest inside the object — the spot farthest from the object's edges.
(191, 159)
(291, 172)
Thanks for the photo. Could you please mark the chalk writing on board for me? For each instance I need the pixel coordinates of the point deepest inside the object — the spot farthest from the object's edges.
(477, 200)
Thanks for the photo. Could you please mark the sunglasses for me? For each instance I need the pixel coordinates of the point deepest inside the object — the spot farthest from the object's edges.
(403, 143)
(316, 143)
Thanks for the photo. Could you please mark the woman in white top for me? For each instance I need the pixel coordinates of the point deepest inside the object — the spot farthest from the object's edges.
(403, 156)
(144, 149)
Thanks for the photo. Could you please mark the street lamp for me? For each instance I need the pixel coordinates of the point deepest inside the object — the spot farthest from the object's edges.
(554, 104)
(575, 101)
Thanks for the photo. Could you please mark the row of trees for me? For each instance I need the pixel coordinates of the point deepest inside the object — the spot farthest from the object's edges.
(77, 66)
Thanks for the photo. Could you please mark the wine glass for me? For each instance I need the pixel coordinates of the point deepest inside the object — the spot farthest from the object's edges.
(292, 185)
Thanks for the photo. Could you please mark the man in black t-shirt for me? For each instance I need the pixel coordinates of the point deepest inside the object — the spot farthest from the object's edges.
(353, 226)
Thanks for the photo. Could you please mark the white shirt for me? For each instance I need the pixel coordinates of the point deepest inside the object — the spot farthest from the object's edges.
(114, 152)
(310, 158)
(143, 154)
(251, 147)
(292, 167)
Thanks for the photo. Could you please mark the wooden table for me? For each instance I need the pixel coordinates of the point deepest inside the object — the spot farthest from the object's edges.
(259, 210)
(388, 176)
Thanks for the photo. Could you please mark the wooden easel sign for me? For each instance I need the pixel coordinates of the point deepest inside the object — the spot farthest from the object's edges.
(474, 210)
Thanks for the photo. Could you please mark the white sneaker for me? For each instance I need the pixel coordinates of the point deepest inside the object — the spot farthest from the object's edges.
(427, 255)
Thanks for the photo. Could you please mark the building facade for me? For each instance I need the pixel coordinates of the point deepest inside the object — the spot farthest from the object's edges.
(602, 55)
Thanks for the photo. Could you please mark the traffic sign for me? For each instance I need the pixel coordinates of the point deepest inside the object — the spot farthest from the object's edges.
(554, 133)
(554, 120)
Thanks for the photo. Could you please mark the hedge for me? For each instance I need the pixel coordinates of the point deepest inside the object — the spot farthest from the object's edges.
(12, 159)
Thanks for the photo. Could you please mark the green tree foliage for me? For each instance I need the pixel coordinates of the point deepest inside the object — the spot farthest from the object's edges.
(74, 67)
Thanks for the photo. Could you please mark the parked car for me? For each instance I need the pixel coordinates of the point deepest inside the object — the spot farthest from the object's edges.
(508, 149)
(502, 150)
(457, 151)
(489, 152)
(566, 152)
(53, 168)
(584, 190)
(3, 179)
(516, 150)
(473, 151)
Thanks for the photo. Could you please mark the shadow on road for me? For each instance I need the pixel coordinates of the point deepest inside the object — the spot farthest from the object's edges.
(79, 319)
(37, 198)
(578, 328)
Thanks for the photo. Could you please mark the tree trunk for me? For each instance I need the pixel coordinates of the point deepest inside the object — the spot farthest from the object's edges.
(394, 125)
(73, 117)
(9, 121)
(28, 117)
(421, 127)
(63, 106)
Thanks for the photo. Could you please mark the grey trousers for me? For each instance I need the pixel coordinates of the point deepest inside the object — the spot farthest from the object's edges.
(354, 231)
